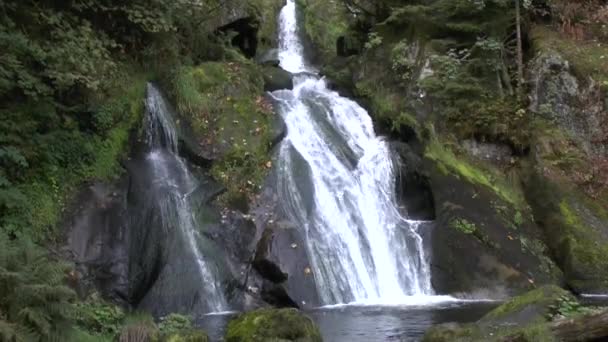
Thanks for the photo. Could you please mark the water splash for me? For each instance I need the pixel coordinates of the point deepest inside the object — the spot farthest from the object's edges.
(361, 248)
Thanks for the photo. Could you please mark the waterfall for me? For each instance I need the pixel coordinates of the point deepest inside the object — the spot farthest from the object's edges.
(170, 187)
(361, 247)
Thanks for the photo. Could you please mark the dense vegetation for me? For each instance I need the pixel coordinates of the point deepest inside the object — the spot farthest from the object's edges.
(72, 81)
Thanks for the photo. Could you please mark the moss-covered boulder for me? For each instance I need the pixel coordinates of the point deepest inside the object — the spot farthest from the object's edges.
(225, 117)
(485, 237)
(273, 325)
(576, 229)
(525, 316)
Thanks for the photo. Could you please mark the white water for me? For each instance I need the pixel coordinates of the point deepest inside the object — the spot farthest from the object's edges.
(174, 183)
(337, 181)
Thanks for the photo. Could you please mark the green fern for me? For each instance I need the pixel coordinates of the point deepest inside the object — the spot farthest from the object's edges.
(35, 305)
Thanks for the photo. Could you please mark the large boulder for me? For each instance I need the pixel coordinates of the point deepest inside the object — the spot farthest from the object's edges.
(576, 230)
(276, 78)
(545, 314)
(485, 238)
(273, 325)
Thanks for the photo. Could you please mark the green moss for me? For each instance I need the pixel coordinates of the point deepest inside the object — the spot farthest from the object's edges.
(225, 106)
(324, 22)
(272, 325)
(585, 250)
(267, 12)
(542, 297)
(463, 226)
(485, 176)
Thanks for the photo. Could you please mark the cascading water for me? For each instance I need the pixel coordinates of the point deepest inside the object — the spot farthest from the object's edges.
(171, 186)
(337, 181)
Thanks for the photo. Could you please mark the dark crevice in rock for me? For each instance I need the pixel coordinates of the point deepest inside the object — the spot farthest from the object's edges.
(276, 295)
(245, 35)
(413, 187)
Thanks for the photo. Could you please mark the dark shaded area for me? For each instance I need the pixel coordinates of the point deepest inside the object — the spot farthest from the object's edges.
(413, 187)
(246, 35)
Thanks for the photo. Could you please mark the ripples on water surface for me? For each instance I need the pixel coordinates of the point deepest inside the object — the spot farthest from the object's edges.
(352, 323)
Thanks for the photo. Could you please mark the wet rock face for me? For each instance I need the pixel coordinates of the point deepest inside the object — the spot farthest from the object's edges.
(413, 188)
(481, 242)
(98, 240)
(276, 78)
(576, 106)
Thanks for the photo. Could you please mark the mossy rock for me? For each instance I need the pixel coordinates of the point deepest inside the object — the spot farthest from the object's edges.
(526, 316)
(485, 236)
(531, 307)
(225, 117)
(576, 230)
(273, 325)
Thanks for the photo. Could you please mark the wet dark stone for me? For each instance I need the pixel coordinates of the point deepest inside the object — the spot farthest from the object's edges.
(413, 188)
(98, 240)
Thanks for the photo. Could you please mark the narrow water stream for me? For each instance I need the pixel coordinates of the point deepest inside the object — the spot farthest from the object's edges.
(171, 185)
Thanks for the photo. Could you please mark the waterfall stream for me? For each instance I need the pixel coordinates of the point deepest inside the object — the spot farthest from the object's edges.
(171, 187)
(337, 183)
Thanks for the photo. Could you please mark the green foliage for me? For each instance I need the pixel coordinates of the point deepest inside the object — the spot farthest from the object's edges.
(34, 303)
(567, 306)
(324, 22)
(99, 317)
(175, 323)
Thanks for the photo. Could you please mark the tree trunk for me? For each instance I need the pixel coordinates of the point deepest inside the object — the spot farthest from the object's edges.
(520, 53)
(593, 327)
(585, 328)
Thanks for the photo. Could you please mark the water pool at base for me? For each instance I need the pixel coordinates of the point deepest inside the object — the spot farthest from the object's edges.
(372, 323)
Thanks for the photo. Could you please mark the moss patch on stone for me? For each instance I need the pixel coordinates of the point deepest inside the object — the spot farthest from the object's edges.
(486, 176)
(324, 22)
(542, 297)
(224, 104)
(523, 318)
(585, 250)
(272, 325)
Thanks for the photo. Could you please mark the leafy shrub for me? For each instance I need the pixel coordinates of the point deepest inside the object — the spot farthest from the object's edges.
(175, 323)
(99, 317)
(567, 306)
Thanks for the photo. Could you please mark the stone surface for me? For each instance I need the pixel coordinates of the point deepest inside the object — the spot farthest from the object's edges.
(578, 107)
(98, 240)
